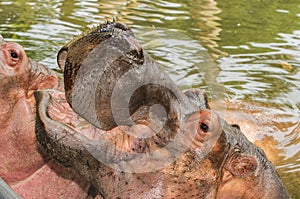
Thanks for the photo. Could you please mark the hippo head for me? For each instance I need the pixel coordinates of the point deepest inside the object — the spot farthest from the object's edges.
(182, 151)
(30, 172)
(18, 80)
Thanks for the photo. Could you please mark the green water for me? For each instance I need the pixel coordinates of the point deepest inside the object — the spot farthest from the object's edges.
(236, 47)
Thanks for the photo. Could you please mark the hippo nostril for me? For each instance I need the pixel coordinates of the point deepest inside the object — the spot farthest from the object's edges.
(137, 47)
(204, 127)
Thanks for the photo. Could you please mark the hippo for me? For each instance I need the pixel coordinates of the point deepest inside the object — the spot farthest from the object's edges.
(125, 127)
(24, 167)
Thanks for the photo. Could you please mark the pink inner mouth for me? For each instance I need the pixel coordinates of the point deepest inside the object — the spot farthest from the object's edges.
(124, 138)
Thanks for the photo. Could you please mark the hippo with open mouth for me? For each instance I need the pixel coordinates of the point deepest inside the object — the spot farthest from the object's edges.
(129, 134)
(123, 125)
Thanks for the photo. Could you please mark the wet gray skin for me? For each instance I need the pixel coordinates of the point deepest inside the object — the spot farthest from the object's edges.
(194, 154)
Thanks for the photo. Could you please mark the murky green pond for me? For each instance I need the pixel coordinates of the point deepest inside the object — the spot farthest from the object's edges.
(244, 53)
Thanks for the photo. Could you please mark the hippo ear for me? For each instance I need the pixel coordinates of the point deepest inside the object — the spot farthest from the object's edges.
(242, 166)
(62, 57)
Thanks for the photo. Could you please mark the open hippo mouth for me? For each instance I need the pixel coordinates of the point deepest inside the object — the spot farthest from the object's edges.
(117, 87)
(145, 134)
(124, 126)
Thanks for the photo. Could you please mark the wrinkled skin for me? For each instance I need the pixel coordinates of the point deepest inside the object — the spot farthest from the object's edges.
(30, 172)
(218, 161)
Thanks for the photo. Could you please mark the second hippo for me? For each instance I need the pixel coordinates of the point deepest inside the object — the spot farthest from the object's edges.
(24, 167)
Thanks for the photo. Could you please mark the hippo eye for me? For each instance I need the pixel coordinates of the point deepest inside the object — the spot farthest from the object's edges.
(204, 127)
(13, 54)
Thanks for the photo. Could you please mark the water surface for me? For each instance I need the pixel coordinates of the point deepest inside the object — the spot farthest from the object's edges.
(246, 53)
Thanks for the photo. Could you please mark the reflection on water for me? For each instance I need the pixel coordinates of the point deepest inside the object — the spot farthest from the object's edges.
(249, 48)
